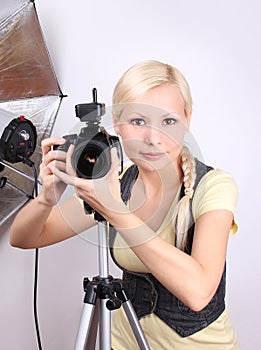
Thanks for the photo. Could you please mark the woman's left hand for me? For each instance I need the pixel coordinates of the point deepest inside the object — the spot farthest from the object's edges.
(103, 194)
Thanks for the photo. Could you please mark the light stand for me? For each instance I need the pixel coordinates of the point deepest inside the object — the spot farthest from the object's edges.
(102, 295)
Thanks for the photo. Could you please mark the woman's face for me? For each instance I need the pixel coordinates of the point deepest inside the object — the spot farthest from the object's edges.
(152, 127)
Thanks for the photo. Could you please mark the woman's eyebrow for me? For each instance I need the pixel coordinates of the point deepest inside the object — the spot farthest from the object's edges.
(149, 114)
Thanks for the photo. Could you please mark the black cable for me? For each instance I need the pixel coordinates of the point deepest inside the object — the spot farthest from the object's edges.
(35, 299)
(36, 263)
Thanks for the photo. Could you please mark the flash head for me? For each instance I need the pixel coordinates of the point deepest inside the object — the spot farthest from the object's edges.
(18, 140)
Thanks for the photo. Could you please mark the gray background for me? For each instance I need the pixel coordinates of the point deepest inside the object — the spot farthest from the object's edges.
(216, 44)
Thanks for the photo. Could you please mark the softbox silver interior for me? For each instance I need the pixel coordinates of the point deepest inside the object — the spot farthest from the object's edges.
(28, 87)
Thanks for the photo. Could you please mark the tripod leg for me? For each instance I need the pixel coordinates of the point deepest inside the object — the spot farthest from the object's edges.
(105, 326)
(135, 325)
(92, 336)
(118, 287)
(86, 337)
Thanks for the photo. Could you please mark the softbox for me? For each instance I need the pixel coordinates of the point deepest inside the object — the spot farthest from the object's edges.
(28, 87)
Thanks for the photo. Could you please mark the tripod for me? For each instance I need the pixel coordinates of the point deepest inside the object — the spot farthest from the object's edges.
(102, 295)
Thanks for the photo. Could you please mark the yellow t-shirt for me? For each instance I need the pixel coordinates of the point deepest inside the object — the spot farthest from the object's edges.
(216, 190)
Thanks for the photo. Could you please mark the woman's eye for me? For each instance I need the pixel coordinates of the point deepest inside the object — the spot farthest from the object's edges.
(138, 121)
(169, 121)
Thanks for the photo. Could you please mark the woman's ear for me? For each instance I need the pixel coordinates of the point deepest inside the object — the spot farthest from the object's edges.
(115, 124)
(189, 118)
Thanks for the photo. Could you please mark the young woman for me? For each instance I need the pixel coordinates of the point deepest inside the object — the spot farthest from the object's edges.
(172, 216)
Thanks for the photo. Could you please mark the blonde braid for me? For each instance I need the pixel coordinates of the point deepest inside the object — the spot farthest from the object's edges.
(182, 218)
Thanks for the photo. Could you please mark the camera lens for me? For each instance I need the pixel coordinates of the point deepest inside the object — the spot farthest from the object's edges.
(94, 160)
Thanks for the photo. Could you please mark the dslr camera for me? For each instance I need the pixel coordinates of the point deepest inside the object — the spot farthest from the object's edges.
(91, 158)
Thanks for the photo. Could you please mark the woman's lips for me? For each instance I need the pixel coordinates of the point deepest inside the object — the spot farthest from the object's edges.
(152, 155)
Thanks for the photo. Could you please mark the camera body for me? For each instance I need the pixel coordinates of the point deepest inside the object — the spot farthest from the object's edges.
(91, 158)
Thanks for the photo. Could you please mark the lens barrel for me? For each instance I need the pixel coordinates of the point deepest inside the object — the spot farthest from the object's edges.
(92, 158)
(94, 161)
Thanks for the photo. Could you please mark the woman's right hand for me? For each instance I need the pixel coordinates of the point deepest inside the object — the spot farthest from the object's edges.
(52, 187)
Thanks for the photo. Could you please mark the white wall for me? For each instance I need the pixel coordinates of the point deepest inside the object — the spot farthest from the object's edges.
(217, 47)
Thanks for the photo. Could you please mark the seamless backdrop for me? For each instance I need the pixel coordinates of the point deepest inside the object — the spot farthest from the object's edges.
(216, 44)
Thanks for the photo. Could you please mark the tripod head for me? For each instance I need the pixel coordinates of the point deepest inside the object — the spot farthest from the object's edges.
(89, 210)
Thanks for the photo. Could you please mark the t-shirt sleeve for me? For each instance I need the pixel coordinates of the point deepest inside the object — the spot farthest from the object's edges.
(216, 190)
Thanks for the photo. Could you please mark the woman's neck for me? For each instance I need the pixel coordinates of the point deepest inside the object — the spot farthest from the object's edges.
(153, 194)
(155, 181)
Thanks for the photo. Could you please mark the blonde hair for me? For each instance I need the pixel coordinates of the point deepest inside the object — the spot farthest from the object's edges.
(182, 219)
(137, 80)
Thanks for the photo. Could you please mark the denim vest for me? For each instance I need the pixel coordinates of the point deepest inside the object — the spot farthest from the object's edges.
(148, 295)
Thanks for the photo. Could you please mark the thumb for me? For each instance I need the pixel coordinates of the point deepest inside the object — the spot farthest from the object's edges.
(115, 161)
(69, 167)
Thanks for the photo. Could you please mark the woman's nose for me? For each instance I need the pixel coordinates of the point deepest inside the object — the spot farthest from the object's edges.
(152, 136)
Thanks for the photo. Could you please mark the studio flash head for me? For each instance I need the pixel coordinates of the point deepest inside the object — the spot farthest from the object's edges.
(18, 141)
(92, 158)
